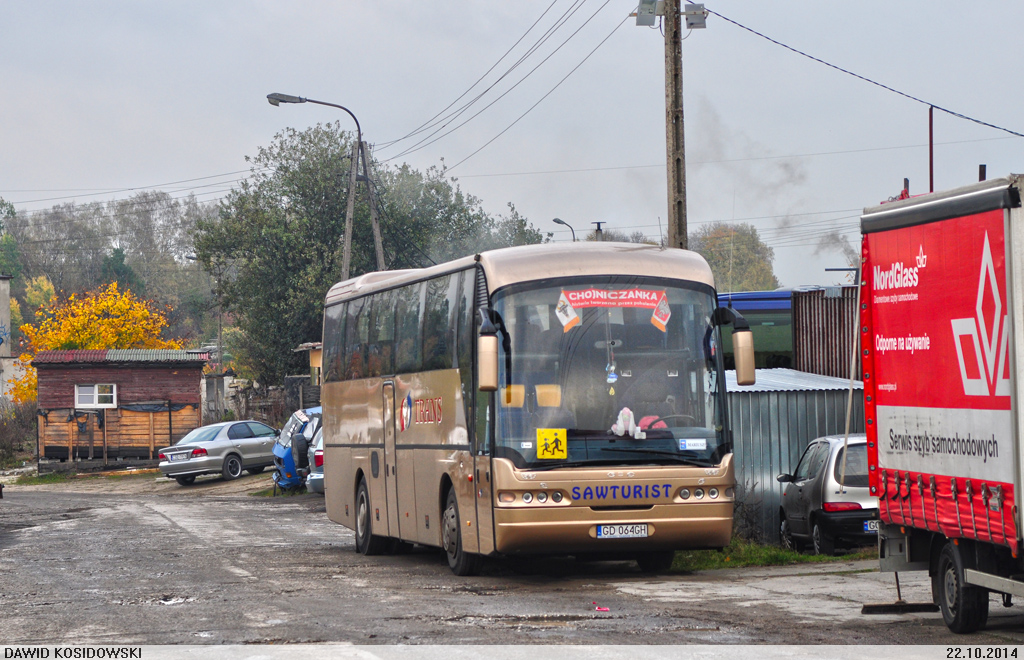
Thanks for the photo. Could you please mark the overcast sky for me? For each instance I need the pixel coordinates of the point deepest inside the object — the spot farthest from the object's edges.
(102, 98)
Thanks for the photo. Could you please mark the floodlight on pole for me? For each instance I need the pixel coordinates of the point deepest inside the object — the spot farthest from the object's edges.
(559, 221)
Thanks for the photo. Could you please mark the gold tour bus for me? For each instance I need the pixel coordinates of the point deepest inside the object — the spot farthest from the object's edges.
(544, 399)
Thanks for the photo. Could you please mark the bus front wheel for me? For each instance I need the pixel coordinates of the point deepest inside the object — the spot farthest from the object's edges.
(460, 561)
(366, 542)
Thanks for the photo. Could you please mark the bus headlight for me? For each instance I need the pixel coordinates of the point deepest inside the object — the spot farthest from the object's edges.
(556, 496)
(713, 493)
(685, 493)
(506, 497)
(542, 497)
(527, 497)
(698, 494)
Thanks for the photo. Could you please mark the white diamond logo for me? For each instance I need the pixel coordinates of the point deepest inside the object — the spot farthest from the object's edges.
(988, 336)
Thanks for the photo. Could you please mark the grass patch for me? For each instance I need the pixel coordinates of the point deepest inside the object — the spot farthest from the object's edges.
(740, 553)
(51, 478)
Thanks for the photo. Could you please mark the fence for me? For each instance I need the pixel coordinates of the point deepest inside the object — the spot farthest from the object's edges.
(772, 423)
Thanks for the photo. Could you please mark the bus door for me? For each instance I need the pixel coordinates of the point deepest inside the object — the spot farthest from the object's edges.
(390, 472)
(483, 477)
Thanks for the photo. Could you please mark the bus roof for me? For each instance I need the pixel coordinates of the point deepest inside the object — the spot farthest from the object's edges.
(535, 262)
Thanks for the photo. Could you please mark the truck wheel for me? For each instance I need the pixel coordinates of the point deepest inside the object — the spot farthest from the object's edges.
(366, 542)
(823, 543)
(964, 607)
(460, 561)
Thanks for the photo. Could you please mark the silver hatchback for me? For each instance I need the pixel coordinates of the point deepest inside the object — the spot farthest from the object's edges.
(816, 510)
(225, 448)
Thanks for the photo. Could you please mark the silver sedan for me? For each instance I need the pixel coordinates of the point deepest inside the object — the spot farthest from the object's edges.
(226, 448)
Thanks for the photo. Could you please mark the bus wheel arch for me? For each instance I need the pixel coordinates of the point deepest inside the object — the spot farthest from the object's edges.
(367, 543)
(461, 562)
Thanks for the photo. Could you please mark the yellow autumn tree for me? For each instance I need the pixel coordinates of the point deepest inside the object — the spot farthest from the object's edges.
(105, 318)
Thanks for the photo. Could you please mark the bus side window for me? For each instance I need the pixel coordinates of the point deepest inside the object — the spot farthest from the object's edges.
(436, 342)
(356, 332)
(334, 339)
(408, 357)
(380, 347)
(464, 341)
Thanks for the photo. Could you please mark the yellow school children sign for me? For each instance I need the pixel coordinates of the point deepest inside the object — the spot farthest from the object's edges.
(551, 444)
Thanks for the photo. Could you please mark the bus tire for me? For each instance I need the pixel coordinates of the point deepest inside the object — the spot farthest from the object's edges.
(964, 607)
(366, 542)
(461, 562)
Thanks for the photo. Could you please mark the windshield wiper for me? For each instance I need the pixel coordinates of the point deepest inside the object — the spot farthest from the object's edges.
(656, 452)
(597, 463)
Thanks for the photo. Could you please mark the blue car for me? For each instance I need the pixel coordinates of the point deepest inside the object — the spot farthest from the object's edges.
(291, 463)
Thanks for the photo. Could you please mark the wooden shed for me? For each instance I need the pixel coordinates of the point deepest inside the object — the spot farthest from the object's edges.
(112, 404)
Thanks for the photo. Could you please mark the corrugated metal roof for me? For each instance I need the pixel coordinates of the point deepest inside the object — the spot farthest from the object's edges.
(48, 357)
(119, 355)
(789, 380)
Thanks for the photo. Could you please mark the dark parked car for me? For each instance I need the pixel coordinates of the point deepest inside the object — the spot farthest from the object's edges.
(813, 508)
(225, 448)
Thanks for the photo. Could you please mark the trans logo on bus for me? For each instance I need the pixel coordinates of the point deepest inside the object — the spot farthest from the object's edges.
(405, 416)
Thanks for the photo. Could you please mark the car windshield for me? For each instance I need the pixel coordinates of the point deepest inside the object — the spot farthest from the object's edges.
(201, 434)
(612, 370)
(292, 425)
(856, 466)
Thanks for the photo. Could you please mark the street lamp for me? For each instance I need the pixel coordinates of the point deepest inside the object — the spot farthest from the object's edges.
(559, 221)
(277, 99)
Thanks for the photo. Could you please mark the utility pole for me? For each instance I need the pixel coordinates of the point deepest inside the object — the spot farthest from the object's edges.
(350, 208)
(374, 216)
(674, 125)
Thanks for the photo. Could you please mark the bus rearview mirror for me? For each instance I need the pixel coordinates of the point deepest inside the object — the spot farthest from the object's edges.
(743, 350)
(487, 363)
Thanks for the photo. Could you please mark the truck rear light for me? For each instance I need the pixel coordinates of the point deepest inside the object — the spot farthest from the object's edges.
(832, 507)
(198, 451)
(318, 458)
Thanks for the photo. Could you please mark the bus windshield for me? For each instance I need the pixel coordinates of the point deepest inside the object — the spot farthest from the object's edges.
(609, 371)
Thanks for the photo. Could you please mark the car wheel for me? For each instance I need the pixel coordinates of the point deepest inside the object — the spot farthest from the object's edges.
(366, 542)
(232, 467)
(460, 561)
(786, 539)
(256, 470)
(964, 607)
(823, 543)
(655, 562)
(186, 481)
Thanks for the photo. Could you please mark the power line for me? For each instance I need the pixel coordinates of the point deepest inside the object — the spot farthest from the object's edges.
(557, 85)
(727, 160)
(424, 143)
(429, 123)
(865, 79)
(134, 188)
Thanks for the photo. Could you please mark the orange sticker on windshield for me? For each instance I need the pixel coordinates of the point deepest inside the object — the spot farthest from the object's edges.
(571, 300)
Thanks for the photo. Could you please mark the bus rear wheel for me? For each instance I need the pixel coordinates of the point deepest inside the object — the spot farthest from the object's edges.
(366, 542)
(964, 607)
(460, 561)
